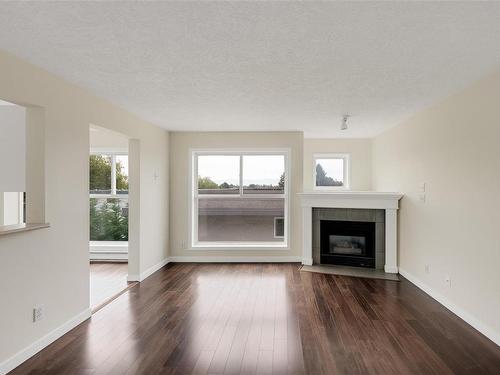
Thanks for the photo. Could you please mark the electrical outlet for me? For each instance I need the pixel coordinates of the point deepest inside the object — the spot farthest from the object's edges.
(427, 268)
(447, 280)
(37, 313)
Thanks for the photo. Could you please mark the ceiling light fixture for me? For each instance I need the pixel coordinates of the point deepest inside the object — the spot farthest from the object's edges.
(343, 126)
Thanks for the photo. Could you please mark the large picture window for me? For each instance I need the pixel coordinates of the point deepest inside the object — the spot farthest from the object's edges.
(108, 187)
(238, 197)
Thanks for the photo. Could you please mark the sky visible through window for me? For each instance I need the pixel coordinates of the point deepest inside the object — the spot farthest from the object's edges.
(334, 168)
(123, 160)
(257, 169)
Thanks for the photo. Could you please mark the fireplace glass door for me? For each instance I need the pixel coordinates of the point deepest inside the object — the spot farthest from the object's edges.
(347, 243)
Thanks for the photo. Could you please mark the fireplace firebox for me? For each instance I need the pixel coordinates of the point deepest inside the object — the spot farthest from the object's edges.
(348, 243)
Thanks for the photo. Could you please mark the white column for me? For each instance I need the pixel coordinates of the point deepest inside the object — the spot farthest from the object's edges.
(307, 236)
(391, 241)
(134, 210)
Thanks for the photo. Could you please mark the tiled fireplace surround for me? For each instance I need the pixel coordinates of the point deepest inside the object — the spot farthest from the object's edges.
(374, 206)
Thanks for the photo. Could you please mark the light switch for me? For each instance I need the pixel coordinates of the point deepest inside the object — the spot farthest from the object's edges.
(421, 198)
(421, 187)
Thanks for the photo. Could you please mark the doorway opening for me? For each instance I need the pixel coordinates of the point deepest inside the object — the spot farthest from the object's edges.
(108, 216)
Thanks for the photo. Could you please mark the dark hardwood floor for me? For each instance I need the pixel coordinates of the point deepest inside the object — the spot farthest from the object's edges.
(268, 318)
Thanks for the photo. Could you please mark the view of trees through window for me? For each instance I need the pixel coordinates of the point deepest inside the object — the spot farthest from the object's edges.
(220, 174)
(108, 219)
(108, 197)
(207, 183)
(330, 172)
(100, 174)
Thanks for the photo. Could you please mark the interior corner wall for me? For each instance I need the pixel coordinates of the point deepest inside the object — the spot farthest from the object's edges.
(50, 267)
(360, 151)
(180, 145)
(452, 147)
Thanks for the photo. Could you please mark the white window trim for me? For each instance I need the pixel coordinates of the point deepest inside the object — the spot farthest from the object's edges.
(193, 244)
(113, 155)
(347, 171)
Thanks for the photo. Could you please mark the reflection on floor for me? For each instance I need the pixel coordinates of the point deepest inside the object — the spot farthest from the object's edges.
(106, 281)
(268, 318)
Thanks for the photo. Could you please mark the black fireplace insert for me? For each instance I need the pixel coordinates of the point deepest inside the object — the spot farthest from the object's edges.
(348, 243)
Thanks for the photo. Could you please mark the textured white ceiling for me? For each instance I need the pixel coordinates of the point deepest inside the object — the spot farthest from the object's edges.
(261, 66)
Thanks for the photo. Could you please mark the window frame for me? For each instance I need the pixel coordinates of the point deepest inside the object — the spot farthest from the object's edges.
(193, 243)
(346, 159)
(113, 155)
(99, 246)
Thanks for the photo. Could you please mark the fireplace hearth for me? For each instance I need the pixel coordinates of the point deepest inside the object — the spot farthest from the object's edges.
(349, 243)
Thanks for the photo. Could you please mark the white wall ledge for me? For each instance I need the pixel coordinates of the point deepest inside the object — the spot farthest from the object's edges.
(17, 228)
(351, 199)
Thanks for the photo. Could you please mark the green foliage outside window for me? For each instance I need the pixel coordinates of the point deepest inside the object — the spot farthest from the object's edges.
(108, 216)
(323, 180)
(100, 174)
(207, 183)
(108, 220)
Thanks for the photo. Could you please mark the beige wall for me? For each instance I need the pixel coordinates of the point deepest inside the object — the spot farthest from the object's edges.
(104, 139)
(453, 148)
(50, 266)
(180, 144)
(361, 159)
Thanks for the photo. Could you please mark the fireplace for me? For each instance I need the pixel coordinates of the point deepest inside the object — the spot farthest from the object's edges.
(349, 243)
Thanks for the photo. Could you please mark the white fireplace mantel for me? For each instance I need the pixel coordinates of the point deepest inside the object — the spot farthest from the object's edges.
(353, 199)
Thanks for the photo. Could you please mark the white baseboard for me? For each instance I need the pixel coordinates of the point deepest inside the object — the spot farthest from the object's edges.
(108, 250)
(235, 259)
(115, 257)
(28, 352)
(466, 316)
(307, 261)
(144, 275)
(389, 269)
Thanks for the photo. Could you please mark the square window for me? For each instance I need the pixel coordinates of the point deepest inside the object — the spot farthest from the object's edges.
(331, 171)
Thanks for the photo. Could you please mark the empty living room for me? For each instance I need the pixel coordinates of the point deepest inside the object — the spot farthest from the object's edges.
(249, 187)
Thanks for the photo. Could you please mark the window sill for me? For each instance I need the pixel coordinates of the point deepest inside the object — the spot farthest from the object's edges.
(114, 251)
(331, 188)
(239, 247)
(108, 246)
(17, 228)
